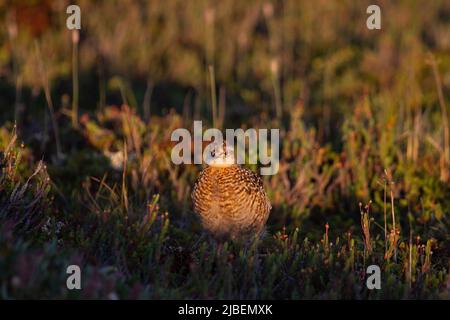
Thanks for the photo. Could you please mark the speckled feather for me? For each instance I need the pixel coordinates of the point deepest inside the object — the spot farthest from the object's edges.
(231, 202)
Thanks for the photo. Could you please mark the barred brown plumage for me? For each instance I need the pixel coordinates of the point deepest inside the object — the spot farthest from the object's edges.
(231, 202)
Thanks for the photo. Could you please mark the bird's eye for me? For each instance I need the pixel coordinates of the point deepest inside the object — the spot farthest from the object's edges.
(213, 153)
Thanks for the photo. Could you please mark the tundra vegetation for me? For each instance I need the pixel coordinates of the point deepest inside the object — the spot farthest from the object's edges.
(85, 125)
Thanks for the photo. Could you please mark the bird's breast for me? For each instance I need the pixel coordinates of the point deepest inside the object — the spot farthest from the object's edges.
(230, 200)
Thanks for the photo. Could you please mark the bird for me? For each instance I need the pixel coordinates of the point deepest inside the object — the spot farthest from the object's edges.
(230, 199)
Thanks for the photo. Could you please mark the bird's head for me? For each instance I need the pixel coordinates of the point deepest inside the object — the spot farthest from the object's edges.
(220, 155)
